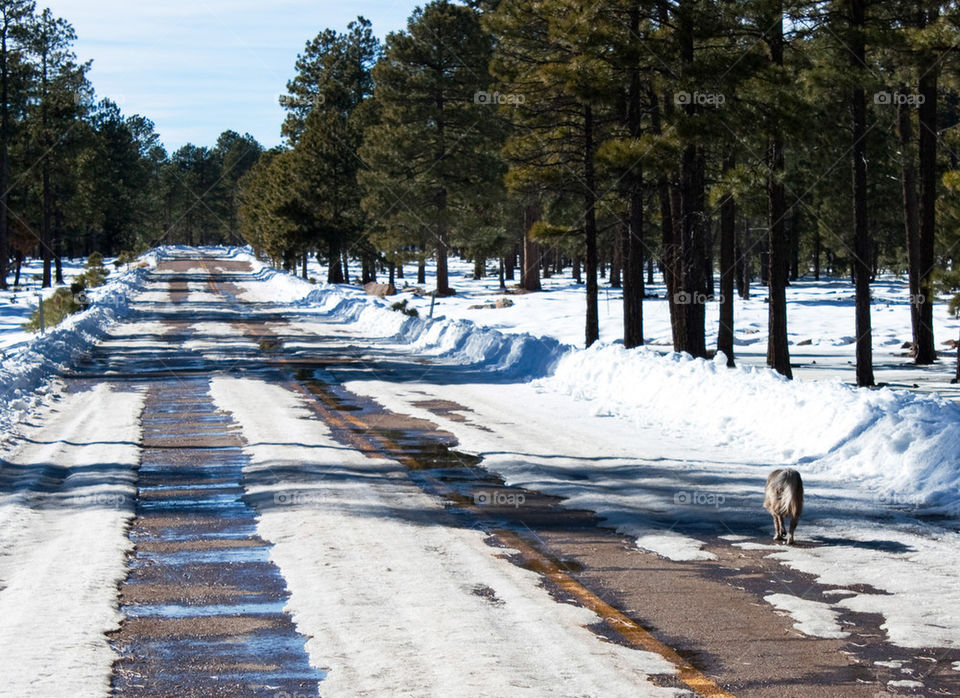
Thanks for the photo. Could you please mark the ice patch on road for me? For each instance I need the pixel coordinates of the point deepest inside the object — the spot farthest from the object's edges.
(905, 683)
(674, 546)
(915, 580)
(811, 618)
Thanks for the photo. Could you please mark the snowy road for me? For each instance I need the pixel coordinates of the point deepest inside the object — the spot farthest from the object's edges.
(309, 510)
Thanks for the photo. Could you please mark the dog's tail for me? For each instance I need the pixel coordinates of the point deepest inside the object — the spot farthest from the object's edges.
(792, 496)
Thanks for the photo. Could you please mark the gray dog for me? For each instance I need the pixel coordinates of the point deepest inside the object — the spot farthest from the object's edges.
(784, 497)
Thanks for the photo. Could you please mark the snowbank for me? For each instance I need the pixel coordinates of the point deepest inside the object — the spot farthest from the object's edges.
(24, 373)
(903, 447)
(462, 342)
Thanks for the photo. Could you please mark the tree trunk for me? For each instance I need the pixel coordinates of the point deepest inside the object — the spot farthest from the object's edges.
(678, 318)
(530, 278)
(707, 279)
(616, 267)
(443, 277)
(304, 274)
(744, 270)
(728, 233)
(4, 215)
(631, 244)
(956, 378)
(861, 231)
(346, 267)
(479, 268)
(335, 268)
(4, 163)
(590, 228)
(816, 253)
(509, 264)
(364, 268)
(778, 349)
(633, 288)
(691, 297)
(669, 206)
(46, 229)
(924, 347)
(58, 248)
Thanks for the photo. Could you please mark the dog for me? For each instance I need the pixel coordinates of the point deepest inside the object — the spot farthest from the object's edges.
(784, 497)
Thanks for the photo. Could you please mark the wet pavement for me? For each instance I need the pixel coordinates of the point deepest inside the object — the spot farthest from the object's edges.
(202, 601)
(203, 604)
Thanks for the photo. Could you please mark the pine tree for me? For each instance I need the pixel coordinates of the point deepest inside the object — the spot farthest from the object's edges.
(50, 43)
(327, 113)
(14, 18)
(560, 120)
(862, 266)
(771, 94)
(430, 147)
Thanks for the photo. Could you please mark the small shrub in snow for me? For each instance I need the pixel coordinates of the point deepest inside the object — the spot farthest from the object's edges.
(401, 307)
(95, 273)
(55, 308)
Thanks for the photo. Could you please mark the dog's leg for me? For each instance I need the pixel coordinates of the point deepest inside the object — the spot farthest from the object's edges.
(777, 527)
(793, 526)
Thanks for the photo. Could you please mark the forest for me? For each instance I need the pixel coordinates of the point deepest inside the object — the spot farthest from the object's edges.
(78, 176)
(727, 148)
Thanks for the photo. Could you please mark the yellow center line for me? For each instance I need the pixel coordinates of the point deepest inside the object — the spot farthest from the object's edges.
(622, 624)
(631, 631)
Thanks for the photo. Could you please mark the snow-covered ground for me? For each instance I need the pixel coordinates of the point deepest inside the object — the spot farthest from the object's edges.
(65, 504)
(18, 304)
(672, 451)
(821, 321)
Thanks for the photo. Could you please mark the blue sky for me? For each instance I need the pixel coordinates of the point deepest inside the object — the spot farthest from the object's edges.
(199, 67)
